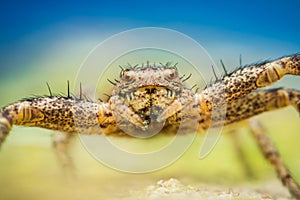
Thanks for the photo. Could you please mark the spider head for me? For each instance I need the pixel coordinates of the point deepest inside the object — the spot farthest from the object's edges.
(146, 91)
(149, 76)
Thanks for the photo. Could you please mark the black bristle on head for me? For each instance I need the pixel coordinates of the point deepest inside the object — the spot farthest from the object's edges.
(111, 82)
(68, 83)
(168, 64)
(193, 86)
(107, 95)
(189, 76)
(175, 66)
(213, 69)
(224, 68)
(49, 89)
(130, 66)
(80, 88)
(122, 69)
(135, 65)
(182, 76)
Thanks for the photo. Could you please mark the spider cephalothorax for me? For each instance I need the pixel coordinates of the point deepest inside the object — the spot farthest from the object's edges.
(143, 93)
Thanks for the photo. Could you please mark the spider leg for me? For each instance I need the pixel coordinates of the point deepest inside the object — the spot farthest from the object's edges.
(61, 146)
(5, 127)
(271, 154)
(261, 101)
(240, 152)
(247, 79)
(250, 105)
(62, 114)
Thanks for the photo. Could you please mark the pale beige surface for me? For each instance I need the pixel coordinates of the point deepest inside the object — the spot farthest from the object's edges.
(174, 189)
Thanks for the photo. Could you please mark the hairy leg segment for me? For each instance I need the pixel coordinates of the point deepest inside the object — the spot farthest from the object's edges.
(67, 115)
(270, 152)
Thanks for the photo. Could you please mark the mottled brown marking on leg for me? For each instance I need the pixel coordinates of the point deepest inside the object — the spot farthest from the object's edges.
(245, 80)
(261, 101)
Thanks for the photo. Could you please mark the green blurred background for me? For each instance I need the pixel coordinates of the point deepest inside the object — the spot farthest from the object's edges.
(47, 42)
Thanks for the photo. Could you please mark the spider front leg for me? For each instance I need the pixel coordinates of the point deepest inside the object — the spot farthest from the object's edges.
(247, 79)
(61, 114)
(271, 154)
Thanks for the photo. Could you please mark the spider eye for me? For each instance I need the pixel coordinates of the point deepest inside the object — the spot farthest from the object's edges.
(128, 76)
(170, 74)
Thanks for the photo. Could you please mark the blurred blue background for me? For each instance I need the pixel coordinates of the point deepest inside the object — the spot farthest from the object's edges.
(32, 29)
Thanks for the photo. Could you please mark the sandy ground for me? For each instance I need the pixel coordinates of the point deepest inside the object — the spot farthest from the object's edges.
(175, 190)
